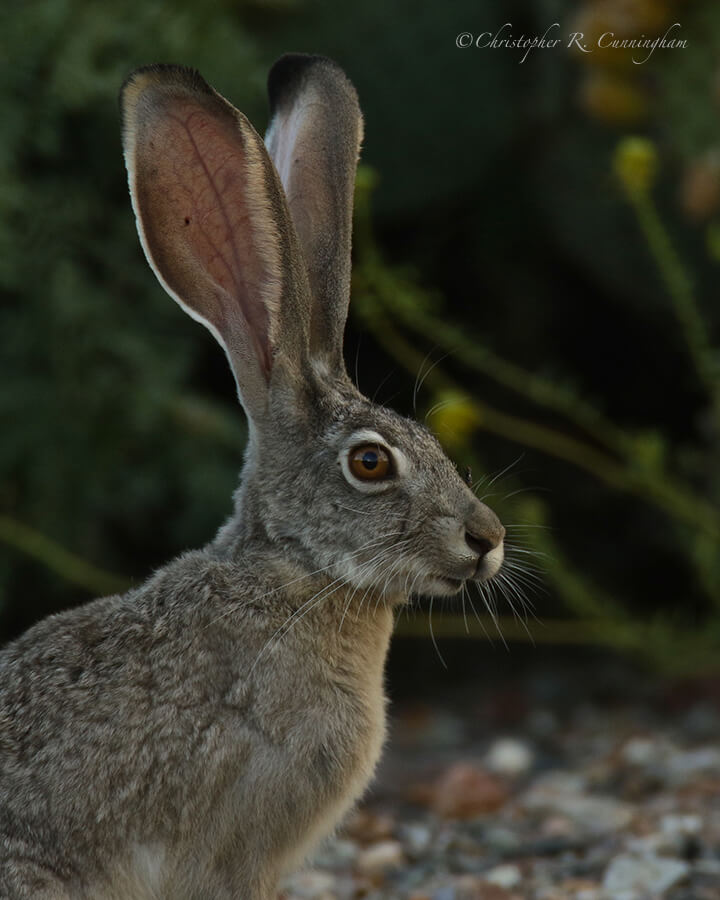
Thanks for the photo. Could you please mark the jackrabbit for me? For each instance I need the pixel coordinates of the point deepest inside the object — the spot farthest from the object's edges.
(197, 736)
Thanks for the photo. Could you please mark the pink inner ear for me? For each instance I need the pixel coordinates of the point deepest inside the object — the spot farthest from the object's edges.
(205, 230)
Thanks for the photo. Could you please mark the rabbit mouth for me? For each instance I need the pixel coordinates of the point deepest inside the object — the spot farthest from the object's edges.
(442, 585)
(448, 585)
(454, 584)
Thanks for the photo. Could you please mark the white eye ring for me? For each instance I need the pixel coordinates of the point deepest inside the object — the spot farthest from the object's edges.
(398, 461)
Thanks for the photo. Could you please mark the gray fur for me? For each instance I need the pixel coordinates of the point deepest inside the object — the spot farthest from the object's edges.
(197, 736)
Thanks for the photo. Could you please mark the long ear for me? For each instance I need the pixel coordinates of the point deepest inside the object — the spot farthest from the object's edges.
(213, 222)
(314, 140)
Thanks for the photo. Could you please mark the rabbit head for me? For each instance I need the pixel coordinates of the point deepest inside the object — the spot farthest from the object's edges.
(253, 240)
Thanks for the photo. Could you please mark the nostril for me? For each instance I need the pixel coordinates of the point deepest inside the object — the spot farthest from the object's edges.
(479, 545)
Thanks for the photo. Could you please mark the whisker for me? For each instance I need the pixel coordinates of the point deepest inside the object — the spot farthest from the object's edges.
(357, 360)
(527, 552)
(525, 567)
(477, 616)
(432, 635)
(531, 573)
(377, 560)
(464, 610)
(298, 614)
(419, 381)
(521, 619)
(486, 591)
(526, 490)
(436, 407)
(379, 387)
(303, 608)
(527, 525)
(505, 470)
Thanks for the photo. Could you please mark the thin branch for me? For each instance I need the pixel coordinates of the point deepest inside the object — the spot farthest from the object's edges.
(65, 564)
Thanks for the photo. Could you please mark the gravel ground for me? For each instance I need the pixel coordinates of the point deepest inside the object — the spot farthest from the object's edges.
(593, 783)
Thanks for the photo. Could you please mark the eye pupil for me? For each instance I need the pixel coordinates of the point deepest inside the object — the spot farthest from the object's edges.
(370, 462)
(370, 459)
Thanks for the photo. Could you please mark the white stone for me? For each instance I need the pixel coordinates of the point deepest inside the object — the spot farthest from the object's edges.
(507, 876)
(641, 751)
(508, 756)
(382, 857)
(642, 876)
(562, 792)
(692, 762)
(417, 837)
(311, 885)
(675, 825)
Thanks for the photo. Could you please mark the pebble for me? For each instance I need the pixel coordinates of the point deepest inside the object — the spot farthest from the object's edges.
(641, 751)
(508, 756)
(466, 791)
(557, 826)
(337, 854)
(369, 827)
(507, 876)
(687, 763)
(679, 825)
(416, 837)
(500, 839)
(639, 876)
(470, 887)
(561, 793)
(381, 858)
(573, 889)
(311, 885)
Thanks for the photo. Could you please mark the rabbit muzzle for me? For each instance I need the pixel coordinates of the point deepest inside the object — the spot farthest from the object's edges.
(484, 537)
(469, 548)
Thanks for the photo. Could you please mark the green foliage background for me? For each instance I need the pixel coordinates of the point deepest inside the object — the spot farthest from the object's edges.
(559, 298)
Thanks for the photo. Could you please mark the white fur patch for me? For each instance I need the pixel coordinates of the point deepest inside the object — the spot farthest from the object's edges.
(494, 559)
(148, 861)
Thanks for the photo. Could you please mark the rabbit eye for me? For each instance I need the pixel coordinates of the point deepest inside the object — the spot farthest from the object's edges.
(370, 462)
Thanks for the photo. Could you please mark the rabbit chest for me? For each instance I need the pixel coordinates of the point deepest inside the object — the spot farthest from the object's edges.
(290, 750)
(316, 712)
(336, 739)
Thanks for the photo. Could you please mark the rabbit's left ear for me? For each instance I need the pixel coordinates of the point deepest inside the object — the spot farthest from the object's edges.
(214, 225)
(314, 140)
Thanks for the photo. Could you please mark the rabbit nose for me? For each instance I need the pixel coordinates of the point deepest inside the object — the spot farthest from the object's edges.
(480, 545)
(483, 531)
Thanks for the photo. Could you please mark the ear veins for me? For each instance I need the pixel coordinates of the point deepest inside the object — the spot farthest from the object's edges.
(214, 224)
(210, 235)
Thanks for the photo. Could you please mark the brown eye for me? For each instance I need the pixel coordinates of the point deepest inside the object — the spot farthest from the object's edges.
(370, 462)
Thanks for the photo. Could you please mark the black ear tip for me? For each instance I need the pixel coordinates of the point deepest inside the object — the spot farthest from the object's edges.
(290, 71)
(167, 73)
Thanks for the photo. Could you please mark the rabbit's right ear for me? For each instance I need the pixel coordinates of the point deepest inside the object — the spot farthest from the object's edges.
(214, 224)
(314, 140)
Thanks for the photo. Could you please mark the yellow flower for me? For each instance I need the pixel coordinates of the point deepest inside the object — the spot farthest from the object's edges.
(635, 163)
(453, 418)
(613, 98)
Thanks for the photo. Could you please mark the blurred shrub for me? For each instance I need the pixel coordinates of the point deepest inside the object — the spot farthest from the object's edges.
(103, 447)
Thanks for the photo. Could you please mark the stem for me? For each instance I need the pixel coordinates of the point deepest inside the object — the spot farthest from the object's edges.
(69, 566)
(680, 289)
